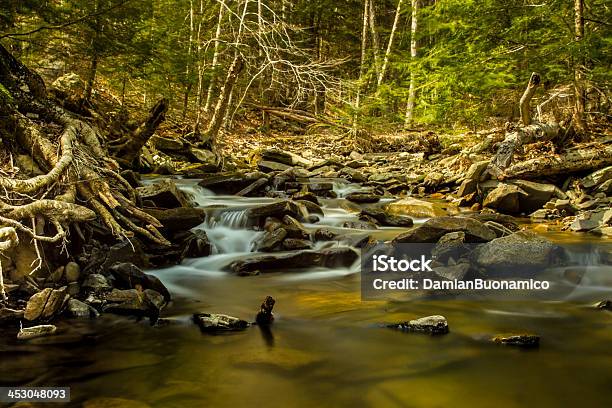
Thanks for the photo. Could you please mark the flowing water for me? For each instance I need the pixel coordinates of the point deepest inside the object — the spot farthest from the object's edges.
(326, 347)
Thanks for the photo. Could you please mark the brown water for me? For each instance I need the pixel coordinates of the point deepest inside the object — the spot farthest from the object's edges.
(324, 349)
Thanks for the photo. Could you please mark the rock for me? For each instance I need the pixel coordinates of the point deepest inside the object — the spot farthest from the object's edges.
(45, 304)
(507, 221)
(605, 187)
(311, 207)
(294, 228)
(520, 254)
(604, 305)
(10, 315)
(96, 282)
(429, 324)
(278, 209)
(203, 156)
(166, 143)
(363, 225)
(416, 208)
(164, 194)
(288, 158)
(265, 316)
(72, 271)
(253, 188)
(329, 258)
(362, 197)
(306, 196)
(133, 302)
(214, 322)
(324, 234)
(69, 84)
(499, 229)
(271, 240)
(598, 177)
(450, 245)
(519, 340)
(505, 198)
(354, 175)
(476, 170)
(468, 186)
(198, 244)
(385, 219)
(458, 271)
(433, 229)
(229, 182)
(537, 194)
(564, 205)
(81, 310)
(129, 276)
(178, 219)
(268, 166)
(589, 220)
(42, 330)
(294, 244)
(56, 275)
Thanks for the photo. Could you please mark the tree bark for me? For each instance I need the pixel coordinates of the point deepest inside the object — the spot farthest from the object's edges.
(572, 161)
(579, 67)
(413, 55)
(383, 69)
(222, 103)
(364, 44)
(215, 60)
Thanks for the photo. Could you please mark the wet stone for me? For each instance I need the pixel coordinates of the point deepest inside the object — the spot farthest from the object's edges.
(430, 324)
(517, 340)
(33, 332)
(215, 322)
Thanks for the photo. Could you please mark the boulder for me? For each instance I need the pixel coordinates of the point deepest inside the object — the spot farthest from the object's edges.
(521, 254)
(311, 207)
(164, 194)
(278, 209)
(358, 197)
(386, 219)
(253, 188)
(229, 182)
(271, 240)
(329, 258)
(505, 198)
(306, 196)
(129, 276)
(433, 229)
(589, 220)
(72, 272)
(81, 310)
(215, 322)
(45, 304)
(69, 84)
(268, 166)
(430, 324)
(451, 245)
(413, 207)
(167, 144)
(359, 224)
(191, 243)
(467, 187)
(178, 219)
(537, 194)
(288, 158)
(134, 302)
(354, 175)
(294, 228)
(476, 170)
(324, 234)
(598, 177)
(203, 156)
(458, 271)
(96, 282)
(295, 244)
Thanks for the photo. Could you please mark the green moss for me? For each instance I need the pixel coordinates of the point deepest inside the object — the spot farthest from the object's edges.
(5, 95)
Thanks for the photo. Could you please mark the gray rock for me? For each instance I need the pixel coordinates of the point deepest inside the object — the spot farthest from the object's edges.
(229, 182)
(268, 166)
(385, 219)
(271, 240)
(42, 330)
(362, 197)
(451, 272)
(476, 169)
(505, 198)
(81, 310)
(133, 302)
(45, 304)
(537, 194)
(164, 194)
(468, 186)
(129, 276)
(215, 322)
(166, 143)
(72, 271)
(451, 245)
(294, 244)
(520, 254)
(430, 324)
(597, 177)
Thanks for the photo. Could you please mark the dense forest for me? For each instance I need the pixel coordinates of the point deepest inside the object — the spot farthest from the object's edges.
(370, 64)
(196, 197)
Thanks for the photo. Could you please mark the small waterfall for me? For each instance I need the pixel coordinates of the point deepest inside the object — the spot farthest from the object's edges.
(236, 219)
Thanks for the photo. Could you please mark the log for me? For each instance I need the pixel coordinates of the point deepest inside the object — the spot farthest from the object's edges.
(572, 161)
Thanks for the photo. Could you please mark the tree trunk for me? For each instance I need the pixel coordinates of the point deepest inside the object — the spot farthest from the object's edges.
(375, 42)
(534, 82)
(579, 67)
(200, 87)
(215, 60)
(364, 44)
(222, 103)
(383, 69)
(413, 55)
(130, 150)
(91, 79)
(572, 161)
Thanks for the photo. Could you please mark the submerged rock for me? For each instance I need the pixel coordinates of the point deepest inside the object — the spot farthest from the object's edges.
(518, 340)
(215, 322)
(604, 305)
(430, 324)
(28, 333)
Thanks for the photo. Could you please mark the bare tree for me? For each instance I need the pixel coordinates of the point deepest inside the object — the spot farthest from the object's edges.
(383, 69)
(215, 60)
(413, 55)
(579, 67)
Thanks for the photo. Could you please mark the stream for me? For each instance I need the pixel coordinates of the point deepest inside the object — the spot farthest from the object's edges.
(325, 347)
